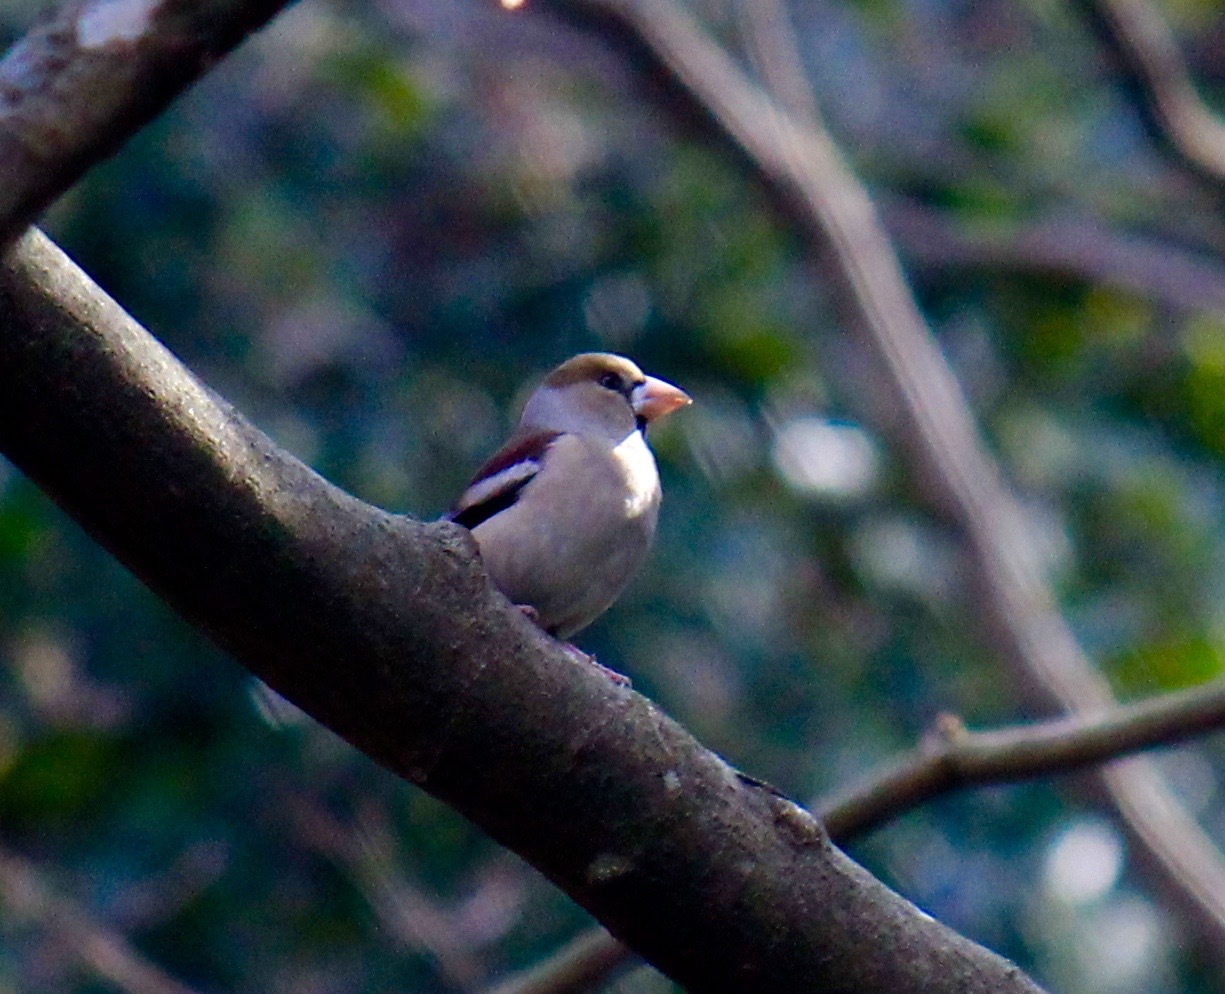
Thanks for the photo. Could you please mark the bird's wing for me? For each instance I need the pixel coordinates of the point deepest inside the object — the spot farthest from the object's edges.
(497, 484)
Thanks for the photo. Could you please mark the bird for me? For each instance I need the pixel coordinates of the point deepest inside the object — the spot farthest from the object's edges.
(565, 512)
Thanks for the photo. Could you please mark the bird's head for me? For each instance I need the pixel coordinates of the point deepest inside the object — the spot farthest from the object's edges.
(598, 392)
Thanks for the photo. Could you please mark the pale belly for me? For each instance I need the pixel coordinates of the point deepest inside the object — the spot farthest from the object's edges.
(570, 560)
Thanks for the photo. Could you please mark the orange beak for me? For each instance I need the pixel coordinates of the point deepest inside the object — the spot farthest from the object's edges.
(655, 398)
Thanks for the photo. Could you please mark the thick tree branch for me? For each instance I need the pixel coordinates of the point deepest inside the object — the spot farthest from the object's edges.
(80, 84)
(387, 631)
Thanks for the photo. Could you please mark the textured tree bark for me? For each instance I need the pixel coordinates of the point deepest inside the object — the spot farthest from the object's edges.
(386, 630)
(82, 82)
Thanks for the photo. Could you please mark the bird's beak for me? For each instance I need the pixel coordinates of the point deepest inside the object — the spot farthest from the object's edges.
(655, 398)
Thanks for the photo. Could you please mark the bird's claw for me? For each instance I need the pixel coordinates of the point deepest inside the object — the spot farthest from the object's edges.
(620, 679)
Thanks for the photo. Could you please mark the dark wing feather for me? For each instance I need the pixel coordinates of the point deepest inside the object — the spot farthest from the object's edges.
(497, 484)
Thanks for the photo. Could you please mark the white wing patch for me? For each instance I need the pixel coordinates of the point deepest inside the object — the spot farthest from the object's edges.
(641, 476)
(504, 479)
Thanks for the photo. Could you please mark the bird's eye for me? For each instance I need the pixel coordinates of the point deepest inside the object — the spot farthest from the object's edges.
(611, 381)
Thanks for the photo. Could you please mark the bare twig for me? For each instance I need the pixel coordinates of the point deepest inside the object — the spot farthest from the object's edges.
(1150, 55)
(587, 960)
(1079, 248)
(105, 953)
(774, 49)
(951, 757)
(365, 853)
(1071, 249)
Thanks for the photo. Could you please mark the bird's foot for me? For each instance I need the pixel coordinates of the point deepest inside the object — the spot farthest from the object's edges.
(620, 679)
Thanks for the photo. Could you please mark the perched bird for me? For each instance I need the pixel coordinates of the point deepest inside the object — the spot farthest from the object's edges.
(564, 514)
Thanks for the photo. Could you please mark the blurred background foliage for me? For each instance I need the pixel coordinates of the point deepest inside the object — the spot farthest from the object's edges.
(376, 222)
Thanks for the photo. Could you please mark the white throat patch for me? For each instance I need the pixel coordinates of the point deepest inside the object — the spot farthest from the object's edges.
(641, 476)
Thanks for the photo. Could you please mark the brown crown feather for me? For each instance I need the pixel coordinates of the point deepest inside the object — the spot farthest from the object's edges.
(590, 366)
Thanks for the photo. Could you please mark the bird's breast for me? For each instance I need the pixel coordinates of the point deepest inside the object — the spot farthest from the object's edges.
(578, 532)
(641, 479)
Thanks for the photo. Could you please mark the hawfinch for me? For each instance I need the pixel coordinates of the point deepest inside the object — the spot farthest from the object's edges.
(565, 513)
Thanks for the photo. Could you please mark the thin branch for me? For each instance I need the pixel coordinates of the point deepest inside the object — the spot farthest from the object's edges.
(365, 853)
(80, 84)
(774, 49)
(951, 757)
(589, 959)
(105, 953)
(942, 443)
(1070, 249)
(1079, 248)
(1149, 53)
